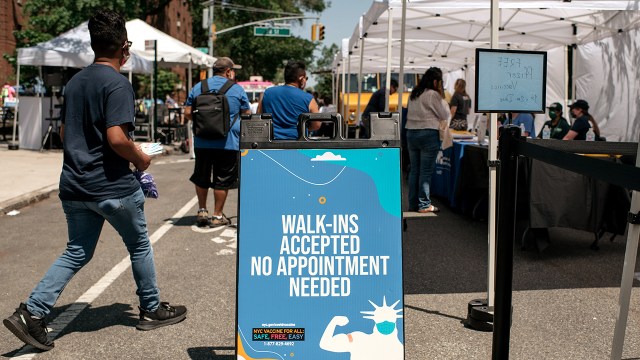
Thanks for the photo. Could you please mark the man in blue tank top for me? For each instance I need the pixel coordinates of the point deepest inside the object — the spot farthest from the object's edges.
(285, 103)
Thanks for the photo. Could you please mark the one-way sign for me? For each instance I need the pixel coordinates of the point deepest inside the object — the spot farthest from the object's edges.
(271, 31)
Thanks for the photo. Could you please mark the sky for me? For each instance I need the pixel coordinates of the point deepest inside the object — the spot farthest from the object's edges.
(339, 21)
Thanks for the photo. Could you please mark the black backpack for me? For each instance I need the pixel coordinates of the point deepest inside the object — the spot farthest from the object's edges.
(211, 112)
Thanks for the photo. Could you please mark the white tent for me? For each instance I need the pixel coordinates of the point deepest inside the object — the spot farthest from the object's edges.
(73, 49)
(602, 36)
(171, 51)
(446, 33)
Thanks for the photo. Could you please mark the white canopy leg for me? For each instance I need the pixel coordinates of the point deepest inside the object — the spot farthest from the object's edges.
(633, 236)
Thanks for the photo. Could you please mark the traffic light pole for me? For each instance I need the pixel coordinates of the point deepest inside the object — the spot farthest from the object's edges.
(262, 22)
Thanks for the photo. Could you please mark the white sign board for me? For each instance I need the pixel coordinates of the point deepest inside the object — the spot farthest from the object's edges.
(150, 45)
(510, 81)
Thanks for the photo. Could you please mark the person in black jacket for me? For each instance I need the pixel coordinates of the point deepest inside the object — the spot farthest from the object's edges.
(375, 104)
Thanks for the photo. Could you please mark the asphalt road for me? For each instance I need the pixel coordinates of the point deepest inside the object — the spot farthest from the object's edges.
(565, 299)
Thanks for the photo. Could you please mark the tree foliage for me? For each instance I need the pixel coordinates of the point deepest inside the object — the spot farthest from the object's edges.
(48, 19)
(263, 56)
(323, 69)
(166, 84)
(258, 55)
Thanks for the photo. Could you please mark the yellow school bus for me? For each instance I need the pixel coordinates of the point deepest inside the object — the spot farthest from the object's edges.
(371, 83)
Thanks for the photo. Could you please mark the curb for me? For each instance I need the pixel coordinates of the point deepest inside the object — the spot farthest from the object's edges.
(27, 199)
(35, 196)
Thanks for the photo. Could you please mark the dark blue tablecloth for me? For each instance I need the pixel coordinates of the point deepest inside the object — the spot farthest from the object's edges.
(446, 176)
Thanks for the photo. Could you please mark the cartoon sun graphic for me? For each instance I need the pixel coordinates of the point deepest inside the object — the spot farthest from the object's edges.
(322, 200)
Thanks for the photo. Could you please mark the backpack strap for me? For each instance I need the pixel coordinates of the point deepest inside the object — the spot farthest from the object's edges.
(234, 120)
(204, 86)
(226, 86)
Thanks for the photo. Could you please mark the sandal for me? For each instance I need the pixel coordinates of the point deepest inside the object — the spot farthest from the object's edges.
(430, 209)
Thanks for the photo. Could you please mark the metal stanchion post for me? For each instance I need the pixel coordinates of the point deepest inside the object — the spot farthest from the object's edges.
(504, 250)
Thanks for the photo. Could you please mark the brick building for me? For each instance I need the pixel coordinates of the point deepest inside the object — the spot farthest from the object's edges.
(10, 20)
(174, 19)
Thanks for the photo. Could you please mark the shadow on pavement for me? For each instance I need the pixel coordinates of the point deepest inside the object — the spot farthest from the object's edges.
(95, 318)
(209, 352)
(433, 312)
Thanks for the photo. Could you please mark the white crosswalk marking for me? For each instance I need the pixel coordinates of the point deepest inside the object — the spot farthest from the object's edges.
(229, 237)
(229, 233)
(225, 252)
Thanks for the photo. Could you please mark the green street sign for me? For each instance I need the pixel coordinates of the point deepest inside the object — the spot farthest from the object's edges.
(271, 31)
(203, 49)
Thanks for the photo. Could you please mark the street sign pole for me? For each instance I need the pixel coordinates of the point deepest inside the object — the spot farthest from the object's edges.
(148, 45)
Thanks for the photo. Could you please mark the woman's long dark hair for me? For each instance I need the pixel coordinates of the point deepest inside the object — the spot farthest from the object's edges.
(426, 82)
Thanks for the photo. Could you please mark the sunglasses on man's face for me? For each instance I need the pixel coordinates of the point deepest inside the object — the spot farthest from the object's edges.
(127, 45)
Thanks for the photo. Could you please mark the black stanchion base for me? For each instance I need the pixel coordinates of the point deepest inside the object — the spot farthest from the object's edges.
(479, 315)
(14, 146)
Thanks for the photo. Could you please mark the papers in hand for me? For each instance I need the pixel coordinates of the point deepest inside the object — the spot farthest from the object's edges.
(151, 148)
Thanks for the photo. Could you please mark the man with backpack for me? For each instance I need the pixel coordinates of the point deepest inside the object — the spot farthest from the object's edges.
(215, 105)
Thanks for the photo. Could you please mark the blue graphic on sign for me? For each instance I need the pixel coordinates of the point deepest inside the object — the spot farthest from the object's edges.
(320, 255)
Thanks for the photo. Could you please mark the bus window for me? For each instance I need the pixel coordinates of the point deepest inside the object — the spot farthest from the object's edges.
(409, 80)
(369, 83)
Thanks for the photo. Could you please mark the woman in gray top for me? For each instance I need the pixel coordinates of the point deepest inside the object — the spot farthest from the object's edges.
(425, 110)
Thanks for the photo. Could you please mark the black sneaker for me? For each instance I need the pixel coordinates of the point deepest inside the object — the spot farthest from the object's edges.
(164, 315)
(31, 331)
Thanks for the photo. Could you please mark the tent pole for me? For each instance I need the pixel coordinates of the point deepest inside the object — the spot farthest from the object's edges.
(388, 79)
(153, 106)
(333, 86)
(402, 38)
(41, 102)
(626, 284)
(14, 145)
(493, 157)
(189, 80)
(344, 105)
(360, 75)
(349, 85)
(192, 148)
(566, 79)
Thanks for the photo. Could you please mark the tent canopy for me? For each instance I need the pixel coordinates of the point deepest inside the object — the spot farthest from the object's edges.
(73, 49)
(446, 33)
(171, 51)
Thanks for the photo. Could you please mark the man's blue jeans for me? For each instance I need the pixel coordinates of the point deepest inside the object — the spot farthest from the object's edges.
(84, 222)
(423, 146)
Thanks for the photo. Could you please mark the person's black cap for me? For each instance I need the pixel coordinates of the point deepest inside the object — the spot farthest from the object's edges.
(555, 106)
(580, 104)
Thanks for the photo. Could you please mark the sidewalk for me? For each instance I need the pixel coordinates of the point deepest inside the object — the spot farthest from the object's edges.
(27, 176)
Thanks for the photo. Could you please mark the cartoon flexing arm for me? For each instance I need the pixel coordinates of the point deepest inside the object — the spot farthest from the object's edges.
(335, 343)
